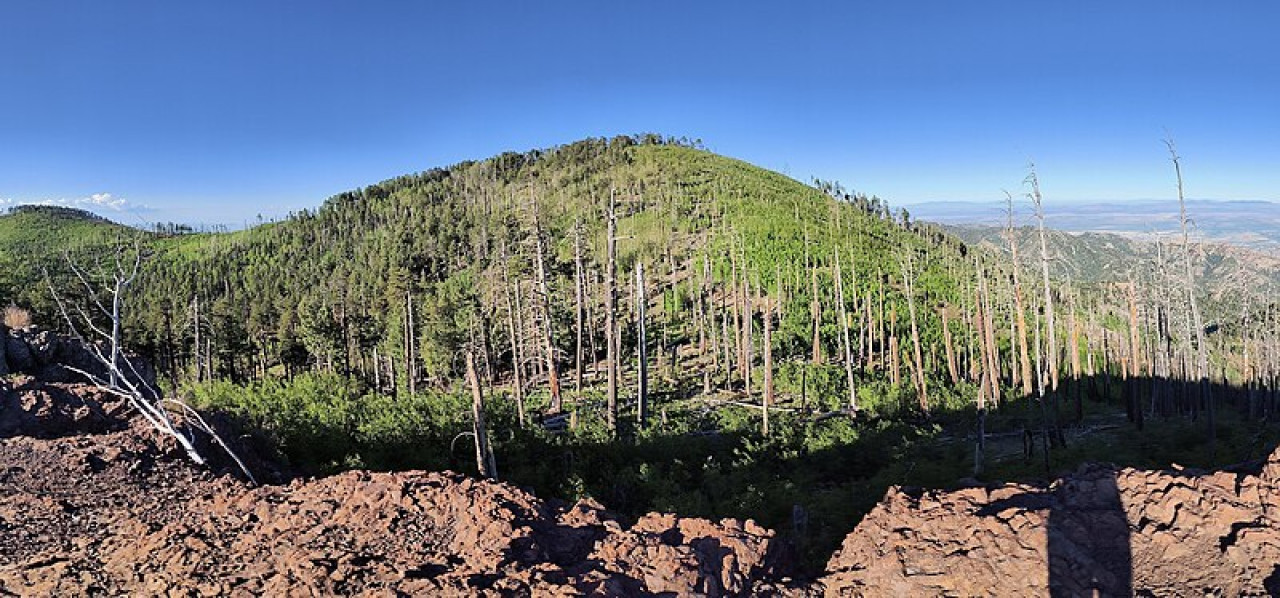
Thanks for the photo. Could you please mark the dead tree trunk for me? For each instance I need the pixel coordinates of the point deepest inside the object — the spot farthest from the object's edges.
(708, 328)
(922, 393)
(844, 335)
(1193, 308)
(952, 372)
(883, 339)
(986, 386)
(579, 311)
(642, 352)
(485, 462)
(1135, 343)
(410, 362)
(195, 306)
(1024, 360)
(121, 282)
(513, 331)
(866, 331)
(611, 313)
(895, 349)
(767, 402)
(991, 351)
(1073, 327)
(748, 342)
(702, 309)
(1046, 427)
(815, 307)
(549, 345)
(726, 337)
(1051, 339)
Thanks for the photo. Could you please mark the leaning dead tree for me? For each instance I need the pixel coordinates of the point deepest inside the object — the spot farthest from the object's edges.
(917, 371)
(106, 283)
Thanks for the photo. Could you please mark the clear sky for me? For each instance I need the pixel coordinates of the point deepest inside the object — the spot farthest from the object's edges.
(205, 111)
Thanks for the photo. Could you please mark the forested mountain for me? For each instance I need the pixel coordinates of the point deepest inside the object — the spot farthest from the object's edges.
(660, 327)
(390, 281)
(33, 236)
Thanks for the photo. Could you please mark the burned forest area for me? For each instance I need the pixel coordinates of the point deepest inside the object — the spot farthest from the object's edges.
(630, 366)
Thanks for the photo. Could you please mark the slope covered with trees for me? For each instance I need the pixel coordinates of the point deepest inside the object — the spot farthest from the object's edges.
(659, 327)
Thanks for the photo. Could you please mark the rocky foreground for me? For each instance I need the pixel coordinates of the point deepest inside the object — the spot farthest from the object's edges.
(92, 503)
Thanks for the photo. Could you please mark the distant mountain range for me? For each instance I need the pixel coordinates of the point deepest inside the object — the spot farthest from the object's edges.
(1253, 224)
(1222, 270)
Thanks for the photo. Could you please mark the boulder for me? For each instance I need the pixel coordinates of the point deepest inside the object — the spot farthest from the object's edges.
(52, 357)
(18, 355)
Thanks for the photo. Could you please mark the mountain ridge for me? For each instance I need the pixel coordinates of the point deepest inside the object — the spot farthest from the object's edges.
(1253, 224)
(1093, 257)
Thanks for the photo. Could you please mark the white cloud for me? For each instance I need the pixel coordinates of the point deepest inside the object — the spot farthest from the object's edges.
(103, 200)
(96, 201)
(104, 204)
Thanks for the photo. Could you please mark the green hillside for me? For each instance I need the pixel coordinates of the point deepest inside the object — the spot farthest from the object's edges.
(340, 334)
(33, 237)
(326, 288)
(41, 229)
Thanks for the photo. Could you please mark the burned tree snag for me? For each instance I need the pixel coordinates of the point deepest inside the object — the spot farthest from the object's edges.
(611, 313)
(1051, 339)
(642, 352)
(844, 335)
(1024, 360)
(549, 346)
(485, 462)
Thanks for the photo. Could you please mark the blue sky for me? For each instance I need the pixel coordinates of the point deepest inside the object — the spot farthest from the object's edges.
(219, 111)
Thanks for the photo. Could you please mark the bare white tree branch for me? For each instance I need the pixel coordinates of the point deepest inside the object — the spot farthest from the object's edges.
(150, 404)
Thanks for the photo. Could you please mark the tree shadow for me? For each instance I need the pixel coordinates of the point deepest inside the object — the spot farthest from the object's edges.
(1088, 537)
(1088, 534)
(1088, 543)
(29, 407)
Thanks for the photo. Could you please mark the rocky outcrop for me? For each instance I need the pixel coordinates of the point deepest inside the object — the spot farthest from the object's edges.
(32, 408)
(1099, 531)
(120, 511)
(668, 554)
(53, 357)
